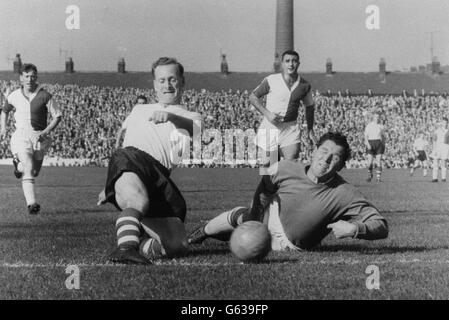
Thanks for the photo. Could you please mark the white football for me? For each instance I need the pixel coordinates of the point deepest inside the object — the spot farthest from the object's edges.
(251, 241)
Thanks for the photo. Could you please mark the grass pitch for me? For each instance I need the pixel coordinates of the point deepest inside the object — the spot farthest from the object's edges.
(35, 251)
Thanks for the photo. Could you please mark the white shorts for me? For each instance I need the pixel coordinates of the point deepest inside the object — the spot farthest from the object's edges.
(269, 136)
(440, 152)
(279, 240)
(25, 141)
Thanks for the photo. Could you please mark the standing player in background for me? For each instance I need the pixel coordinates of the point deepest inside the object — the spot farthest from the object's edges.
(31, 140)
(440, 150)
(152, 209)
(419, 151)
(375, 146)
(118, 142)
(279, 128)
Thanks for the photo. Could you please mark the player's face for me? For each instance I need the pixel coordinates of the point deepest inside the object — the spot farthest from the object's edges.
(28, 80)
(290, 64)
(326, 160)
(168, 84)
(141, 101)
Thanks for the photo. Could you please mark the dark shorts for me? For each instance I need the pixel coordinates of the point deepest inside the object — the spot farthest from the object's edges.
(377, 147)
(421, 155)
(164, 197)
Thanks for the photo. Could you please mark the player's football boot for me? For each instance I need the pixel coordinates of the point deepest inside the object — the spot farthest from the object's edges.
(434, 180)
(34, 208)
(127, 256)
(198, 235)
(370, 177)
(443, 180)
(17, 173)
(378, 180)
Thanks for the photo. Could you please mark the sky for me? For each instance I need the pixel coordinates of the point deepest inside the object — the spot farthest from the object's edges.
(196, 31)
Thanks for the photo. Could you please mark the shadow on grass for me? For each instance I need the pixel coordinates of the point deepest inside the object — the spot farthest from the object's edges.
(207, 251)
(376, 250)
(94, 210)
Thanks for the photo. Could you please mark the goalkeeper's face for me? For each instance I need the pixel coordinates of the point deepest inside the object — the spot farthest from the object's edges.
(168, 84)
(326, 161)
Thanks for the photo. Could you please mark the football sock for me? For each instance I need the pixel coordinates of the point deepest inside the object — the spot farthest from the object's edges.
(28, 190)
(225, 222)
(378, 172)
(128, 228)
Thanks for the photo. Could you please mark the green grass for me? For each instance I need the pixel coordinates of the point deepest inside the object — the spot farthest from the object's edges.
(35, 250)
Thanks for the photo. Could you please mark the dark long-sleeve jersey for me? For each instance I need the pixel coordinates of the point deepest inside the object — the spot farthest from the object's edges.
(306, 207)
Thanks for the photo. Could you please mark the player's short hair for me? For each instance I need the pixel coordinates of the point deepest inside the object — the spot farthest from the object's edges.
(142, 97)
(27, 67)
(340, 140)
(291, 53)
(163, 61)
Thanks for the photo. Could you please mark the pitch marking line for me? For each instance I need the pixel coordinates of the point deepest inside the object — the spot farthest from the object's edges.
(209, 264)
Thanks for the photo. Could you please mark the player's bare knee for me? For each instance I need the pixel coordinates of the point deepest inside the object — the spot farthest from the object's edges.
(130, 192)
(128, 200)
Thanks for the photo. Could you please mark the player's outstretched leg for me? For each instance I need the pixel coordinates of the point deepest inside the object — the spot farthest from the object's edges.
(220, 227)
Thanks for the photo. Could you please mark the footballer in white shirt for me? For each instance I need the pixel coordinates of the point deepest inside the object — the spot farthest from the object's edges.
(420, 157)
(440, 152)
(375, 146)
(152, 209)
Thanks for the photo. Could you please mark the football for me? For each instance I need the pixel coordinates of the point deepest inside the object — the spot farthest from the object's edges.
(251, 241)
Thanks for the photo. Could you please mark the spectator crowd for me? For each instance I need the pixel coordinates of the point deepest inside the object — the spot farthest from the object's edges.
(93, 115)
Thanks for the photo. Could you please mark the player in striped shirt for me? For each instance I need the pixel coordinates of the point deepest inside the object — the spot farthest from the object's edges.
(31, 140)
(302, 204)
(151, 221)
(279, 130)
